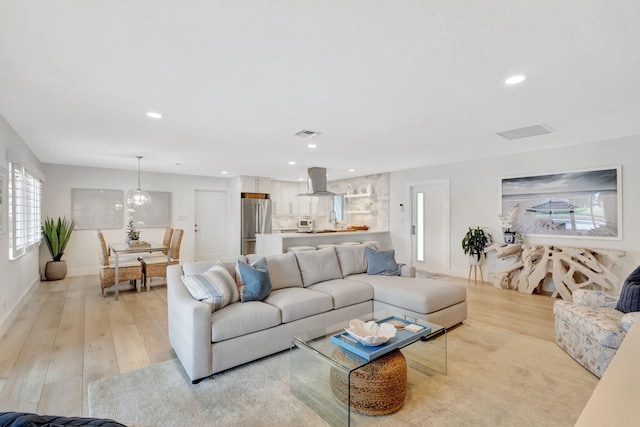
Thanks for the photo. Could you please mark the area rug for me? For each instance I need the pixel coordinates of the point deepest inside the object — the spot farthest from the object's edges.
(495, 378)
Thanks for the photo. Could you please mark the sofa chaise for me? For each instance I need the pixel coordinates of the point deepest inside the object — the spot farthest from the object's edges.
(309, 290)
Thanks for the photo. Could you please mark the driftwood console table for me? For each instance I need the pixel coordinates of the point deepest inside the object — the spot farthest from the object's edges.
(571, 268)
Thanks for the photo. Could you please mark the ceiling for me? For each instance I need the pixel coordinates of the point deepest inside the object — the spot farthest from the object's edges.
(390, 85)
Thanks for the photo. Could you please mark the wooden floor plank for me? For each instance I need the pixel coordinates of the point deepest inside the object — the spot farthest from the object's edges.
(154, 337)
(63, 397)
(130, 349)
(24, 385)
(508, 309)
(100, 359)
(68, 352)
(15, 337)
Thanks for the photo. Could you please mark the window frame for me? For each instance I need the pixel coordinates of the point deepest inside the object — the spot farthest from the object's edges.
(25, 210)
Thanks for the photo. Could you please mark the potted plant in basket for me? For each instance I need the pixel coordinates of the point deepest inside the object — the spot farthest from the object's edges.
(474, 242)
(57, 234)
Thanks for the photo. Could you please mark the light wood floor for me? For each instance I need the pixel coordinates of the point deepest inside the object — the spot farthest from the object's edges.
(68, 336)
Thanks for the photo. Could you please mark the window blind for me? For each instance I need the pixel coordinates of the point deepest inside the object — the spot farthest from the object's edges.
(25, 195)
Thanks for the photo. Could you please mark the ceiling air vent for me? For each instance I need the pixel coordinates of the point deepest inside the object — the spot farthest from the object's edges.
(304, 133)
(525, 132)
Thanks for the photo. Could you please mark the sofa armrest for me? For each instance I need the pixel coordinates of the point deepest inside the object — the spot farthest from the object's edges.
(595, 298)
(407, 270)
(629, 319)
(189, 326)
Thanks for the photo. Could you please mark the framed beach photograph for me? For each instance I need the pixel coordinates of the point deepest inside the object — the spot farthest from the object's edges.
(581, 204)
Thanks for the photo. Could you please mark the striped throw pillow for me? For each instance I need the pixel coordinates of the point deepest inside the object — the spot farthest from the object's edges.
(215, 286)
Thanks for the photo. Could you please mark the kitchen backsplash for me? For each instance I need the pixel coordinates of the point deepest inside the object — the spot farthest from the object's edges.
(367, 200)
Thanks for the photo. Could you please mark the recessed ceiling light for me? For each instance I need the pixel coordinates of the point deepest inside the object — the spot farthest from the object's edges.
(154, 115)
(300, 179)
(352, 170)
(311, 146)
(224, 172)
(514, 80)
(292, 162)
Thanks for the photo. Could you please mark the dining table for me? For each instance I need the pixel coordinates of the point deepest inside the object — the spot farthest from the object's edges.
(135, 248)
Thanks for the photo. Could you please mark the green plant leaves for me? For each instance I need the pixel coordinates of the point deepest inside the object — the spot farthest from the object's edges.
(57, 234)
(474, 242)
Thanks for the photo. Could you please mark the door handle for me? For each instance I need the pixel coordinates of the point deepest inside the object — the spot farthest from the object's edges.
(413, 230)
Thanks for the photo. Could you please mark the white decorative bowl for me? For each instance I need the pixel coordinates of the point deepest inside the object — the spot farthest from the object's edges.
(370, 333)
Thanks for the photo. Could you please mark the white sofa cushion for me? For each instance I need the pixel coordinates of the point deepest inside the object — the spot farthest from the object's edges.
(352, 259)
(417, 294)
(284, 271)
(298, 303)
(318, 266)
(241, 319)
(345, 292)
(215, 286)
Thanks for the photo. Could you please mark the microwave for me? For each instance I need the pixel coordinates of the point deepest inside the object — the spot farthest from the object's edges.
(305, 223)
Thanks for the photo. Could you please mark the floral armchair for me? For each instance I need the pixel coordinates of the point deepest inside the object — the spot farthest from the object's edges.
(590, 329)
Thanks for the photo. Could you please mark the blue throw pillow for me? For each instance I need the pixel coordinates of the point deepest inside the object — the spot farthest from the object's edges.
(382, 262)
(256, 280)
(630, 295)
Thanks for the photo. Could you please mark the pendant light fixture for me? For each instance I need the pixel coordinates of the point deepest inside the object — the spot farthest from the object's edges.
(138, 198)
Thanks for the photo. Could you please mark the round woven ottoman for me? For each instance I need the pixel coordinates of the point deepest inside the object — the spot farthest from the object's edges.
(378, 388)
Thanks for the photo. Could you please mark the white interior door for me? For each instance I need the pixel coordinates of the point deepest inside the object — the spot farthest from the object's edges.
(430, 226)
(210, 225)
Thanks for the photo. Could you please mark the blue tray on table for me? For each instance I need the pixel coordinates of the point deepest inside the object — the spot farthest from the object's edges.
(373, 352)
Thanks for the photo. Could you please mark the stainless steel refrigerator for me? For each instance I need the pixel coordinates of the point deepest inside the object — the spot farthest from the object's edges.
(255, 219)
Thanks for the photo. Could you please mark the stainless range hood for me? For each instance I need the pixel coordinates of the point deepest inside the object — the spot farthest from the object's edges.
(317, 183)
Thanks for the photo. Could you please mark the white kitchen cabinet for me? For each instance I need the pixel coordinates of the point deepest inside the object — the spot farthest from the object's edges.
(307, 205)
(277, 205)
(284, 193)
(255, 184)
(287, 202)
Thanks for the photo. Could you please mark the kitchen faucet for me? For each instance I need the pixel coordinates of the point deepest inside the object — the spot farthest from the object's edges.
(333, 215)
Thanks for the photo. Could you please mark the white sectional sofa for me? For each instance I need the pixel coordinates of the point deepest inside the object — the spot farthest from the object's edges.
(310, 290)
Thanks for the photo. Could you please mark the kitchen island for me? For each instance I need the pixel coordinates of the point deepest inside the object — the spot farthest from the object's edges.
(277, 243)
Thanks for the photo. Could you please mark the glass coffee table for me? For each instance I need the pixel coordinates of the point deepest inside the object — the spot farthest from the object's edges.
(341, 383)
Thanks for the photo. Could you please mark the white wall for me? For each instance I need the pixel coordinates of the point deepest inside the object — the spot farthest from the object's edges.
(82, 254)
(18, 278)
(476, 198)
